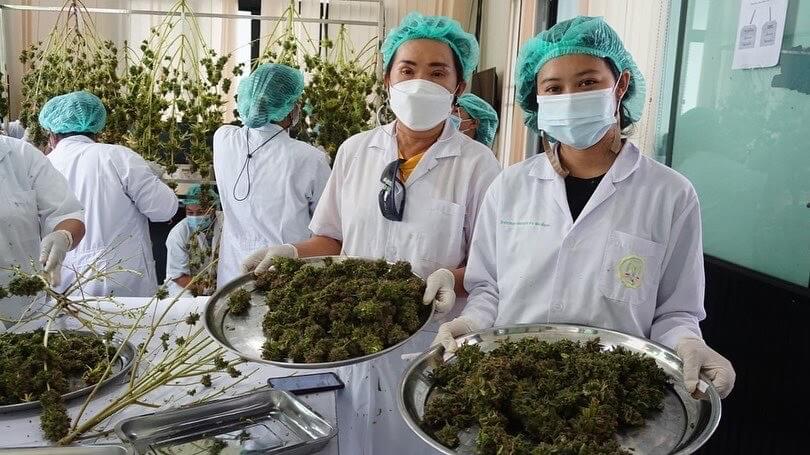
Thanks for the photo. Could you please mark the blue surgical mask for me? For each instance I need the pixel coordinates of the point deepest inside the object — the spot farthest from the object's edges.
(197, 223)
(455, 120)
(579, 120)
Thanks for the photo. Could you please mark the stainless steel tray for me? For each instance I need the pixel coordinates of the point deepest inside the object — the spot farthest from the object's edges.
(76, 450)
(278, 423)
(243, 335)
(682, 427)
(122, 365)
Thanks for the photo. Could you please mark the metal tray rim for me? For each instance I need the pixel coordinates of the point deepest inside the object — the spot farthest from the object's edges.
(127, 357)
(248, 277)
(712, 394)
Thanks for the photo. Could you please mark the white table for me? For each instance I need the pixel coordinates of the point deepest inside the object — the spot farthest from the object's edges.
(22, 429)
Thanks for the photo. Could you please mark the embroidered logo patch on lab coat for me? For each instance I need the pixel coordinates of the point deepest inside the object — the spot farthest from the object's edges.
(630, 271)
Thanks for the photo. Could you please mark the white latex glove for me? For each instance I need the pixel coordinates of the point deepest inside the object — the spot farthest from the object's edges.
(697, 357)
(156, 169)
(440, 290)
(262, 259)
(446, 336)
(52, 253)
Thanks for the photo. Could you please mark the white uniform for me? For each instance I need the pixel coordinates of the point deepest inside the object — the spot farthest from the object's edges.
(15, 130)
(443, 195)
(286, 179)
(632, 261)
(34, 198)
(177, 253)
(120, 194)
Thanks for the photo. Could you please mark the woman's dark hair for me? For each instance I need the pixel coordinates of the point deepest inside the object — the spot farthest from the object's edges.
(456, 64)
(624, 114)
(60, 136)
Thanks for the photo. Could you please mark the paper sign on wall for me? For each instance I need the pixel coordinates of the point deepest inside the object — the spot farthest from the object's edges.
(759, 34)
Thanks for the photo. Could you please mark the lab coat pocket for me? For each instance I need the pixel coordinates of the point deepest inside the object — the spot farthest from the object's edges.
(631, 268)
(442, 230)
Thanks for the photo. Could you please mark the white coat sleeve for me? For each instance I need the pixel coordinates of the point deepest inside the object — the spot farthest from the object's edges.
(679, 307)
(319, 178)
(326, 220)
(55, 200)
(176, 254)
(488, 169)
(153, 198)
(481, 275)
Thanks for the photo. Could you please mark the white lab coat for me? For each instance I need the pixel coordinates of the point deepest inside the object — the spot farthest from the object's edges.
(34, 198)
(177, 252)
(632, 261)
(120, 194)
(287, 178)
(444, 194)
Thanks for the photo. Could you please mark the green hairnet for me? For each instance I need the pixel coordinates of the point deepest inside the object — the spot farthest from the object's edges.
(268, 94)
(439, 28)
(193, 195)
(484, 113)
(75, 112)
(580, 35)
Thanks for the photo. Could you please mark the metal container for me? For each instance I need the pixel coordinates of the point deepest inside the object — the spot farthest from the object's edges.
(121, 367)
(243, 335)
(277, 422)
(76, 450)
(682, 427)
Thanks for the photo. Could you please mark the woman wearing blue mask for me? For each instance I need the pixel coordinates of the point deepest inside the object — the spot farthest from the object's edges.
(590, 232)
(193, 244)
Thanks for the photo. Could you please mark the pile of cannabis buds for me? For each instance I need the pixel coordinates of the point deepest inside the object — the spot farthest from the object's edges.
(532, 397)
(340, 311)
(29, 371)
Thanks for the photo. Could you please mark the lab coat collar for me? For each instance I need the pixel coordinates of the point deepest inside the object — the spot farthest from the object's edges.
(270, 128)
(626, 163)
(385, 139)
(77, 138)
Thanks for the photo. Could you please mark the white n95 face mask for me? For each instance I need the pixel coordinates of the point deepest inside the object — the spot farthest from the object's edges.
(419, 104)
(577, 119)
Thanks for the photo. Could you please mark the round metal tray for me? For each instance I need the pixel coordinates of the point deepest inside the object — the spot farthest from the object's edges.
(122, 365)
(243, 335)
(682, 427)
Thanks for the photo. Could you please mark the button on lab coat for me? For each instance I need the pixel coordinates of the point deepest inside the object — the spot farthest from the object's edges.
(632, 261)
(286, 179)
(34, 198)
(444, 194)
(120, 194)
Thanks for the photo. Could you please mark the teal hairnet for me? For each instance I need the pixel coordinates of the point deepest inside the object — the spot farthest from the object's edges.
(268, 94)
(193, 195)
(484, 113)
(75, 112)
(439, 28)
(580, 35)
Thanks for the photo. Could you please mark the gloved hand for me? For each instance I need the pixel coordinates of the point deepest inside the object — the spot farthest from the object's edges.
(156, 168)
(697, 357)
(440, 290)
(52, 253)
(448, 332)
(261, 259)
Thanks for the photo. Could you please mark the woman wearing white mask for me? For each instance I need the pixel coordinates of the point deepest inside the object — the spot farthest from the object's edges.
(590, 232)
(270, 182)
(407, 191)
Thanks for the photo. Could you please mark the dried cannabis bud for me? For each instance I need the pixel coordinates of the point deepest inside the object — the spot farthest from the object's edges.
(239, 302)
(68, 356)
(205, 380)
(339, 311)
(534, 397)
(192, 318)
(54, 419)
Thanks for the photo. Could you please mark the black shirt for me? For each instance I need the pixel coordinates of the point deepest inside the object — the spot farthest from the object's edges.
(578, 191)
